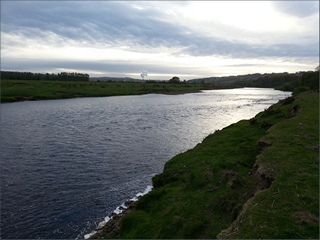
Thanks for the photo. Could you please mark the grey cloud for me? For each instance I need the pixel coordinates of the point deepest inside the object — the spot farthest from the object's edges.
(117, 23)
(104, 66)
(207, 46)
(297, 8)
(99, 22)
(116, 68)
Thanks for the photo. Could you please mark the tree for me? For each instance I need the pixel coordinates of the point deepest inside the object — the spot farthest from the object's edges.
(311, 80)
(174, 80)
(41, 76)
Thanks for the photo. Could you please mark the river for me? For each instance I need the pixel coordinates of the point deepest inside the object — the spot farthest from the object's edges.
(66, 164)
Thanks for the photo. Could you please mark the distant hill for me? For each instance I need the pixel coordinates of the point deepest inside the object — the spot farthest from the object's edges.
(237, 78)
(282, 81)
(228, 79)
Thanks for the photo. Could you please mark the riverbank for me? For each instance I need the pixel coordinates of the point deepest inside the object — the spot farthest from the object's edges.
(111, 224)
(26, 90)
(258, 178)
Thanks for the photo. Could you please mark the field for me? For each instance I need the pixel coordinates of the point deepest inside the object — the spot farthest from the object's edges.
(258, 178)
(21, 90)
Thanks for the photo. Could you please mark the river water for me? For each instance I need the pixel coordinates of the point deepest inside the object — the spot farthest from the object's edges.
(66, 164)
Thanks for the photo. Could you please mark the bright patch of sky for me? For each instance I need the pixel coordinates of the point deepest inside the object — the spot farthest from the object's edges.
(188, 39)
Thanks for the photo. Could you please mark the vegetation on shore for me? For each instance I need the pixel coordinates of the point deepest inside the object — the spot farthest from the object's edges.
(21, 86)
(281, 81)
(21, 90)
(257, 178)
(63, 76)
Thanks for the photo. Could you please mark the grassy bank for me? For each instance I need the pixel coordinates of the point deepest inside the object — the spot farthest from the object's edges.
(21, 90)
(257, 178)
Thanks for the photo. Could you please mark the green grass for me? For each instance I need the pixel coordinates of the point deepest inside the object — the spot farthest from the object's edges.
(290, 207)
(19, 90)
(254, 179)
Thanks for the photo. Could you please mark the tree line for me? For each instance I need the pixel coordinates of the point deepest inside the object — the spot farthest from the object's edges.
(281, 81)
(63, 76)
(286, 82)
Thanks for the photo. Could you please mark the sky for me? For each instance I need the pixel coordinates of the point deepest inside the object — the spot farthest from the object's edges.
(187, 39)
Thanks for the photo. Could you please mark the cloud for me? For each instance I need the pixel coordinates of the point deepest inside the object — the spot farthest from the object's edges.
(119, 24)
(297, 8)
(102, 68)
(105, 35)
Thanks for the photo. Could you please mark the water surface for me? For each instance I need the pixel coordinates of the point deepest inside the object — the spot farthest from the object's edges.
(66, 164)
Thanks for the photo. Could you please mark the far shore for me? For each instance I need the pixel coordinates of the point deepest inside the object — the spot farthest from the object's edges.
(31, 90)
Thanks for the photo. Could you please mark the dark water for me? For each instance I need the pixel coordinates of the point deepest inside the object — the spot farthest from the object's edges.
(66, 164)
